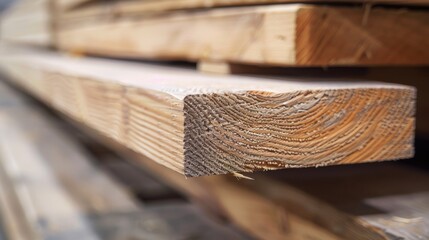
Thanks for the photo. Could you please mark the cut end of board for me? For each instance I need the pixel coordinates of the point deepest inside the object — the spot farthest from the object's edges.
(254, 131)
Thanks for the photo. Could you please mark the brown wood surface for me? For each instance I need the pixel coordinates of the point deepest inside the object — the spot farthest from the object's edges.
(308, 203)
(57, 192)
(374, 201)
(130, 6)
(259, 216)
(205, 125)
(276, 35)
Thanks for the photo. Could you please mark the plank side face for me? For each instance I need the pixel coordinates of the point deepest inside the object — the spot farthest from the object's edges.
(213, 125)
(194, 37)
(53, 188)
(76, 7)
(278, 35)
(143, 120)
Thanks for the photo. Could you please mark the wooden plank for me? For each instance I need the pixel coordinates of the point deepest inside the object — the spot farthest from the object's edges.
(12, 214)
(67, 4)
(28, 22)
(65, 196)
(282, 35)
(292, 206)
(133, 6)
(390, 197)
(245, 208)
(204, 125)
(381, 201)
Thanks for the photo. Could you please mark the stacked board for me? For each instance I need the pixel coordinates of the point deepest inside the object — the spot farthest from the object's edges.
(201, 31)
(29, 22)
(204, 125)
(46, 197)
(277, 35)
(122, 6)
(380, 201)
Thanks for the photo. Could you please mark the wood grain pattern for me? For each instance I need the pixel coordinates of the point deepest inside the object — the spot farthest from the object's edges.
(369, 201)
(258, 215)
(294, 204)
(343, 202)
(204, 125)
(283, 35)
(240, 205)
(65, 195)
(133, 6)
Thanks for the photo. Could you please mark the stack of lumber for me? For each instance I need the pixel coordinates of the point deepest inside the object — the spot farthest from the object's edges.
(282, 35)
(107, 67)
(378, 201)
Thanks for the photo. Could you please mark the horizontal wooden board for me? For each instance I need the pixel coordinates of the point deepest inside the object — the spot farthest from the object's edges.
(129, 6)
(281, 35)
(371, 201)
(383, 201)
(29, 22)
(203, 125)
(52, 188)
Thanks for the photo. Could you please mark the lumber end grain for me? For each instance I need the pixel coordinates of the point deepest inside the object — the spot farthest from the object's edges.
(254, 130)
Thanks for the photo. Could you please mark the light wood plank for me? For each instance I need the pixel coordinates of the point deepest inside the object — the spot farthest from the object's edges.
(133, 6)
(281, 35)
(257, 215)
(295, 205)
(371, 201)
(64, 195)
(204, 125)
(29, 22)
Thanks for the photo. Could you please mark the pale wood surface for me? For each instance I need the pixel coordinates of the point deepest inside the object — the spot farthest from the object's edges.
(284, 35)
(64, 195)
(129, 6)
(203, 125)
(29, 22)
